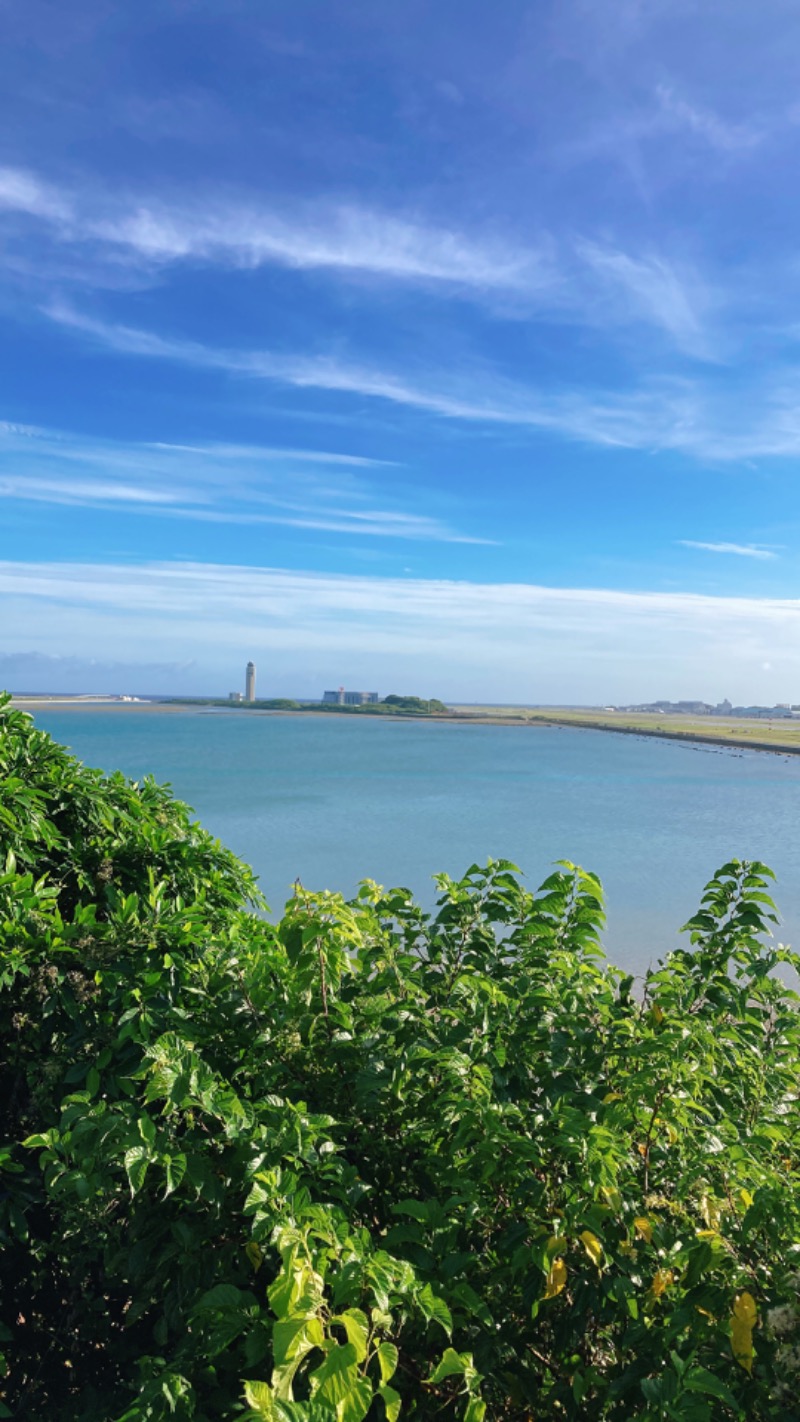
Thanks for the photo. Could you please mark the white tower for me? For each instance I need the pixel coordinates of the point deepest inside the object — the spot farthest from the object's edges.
(250, 682)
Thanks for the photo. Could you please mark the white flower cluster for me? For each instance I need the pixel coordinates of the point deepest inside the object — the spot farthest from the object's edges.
(783, 1323)
(782, 1320)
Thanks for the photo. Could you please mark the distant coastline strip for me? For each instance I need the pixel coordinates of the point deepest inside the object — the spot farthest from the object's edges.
(748, 735)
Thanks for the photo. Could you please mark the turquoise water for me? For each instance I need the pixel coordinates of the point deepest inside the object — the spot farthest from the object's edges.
(333, 800)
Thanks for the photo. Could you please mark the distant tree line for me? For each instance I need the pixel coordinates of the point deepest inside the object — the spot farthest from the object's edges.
(415, 703)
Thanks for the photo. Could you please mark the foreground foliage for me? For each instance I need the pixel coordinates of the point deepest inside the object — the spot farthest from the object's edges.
(371, 1163)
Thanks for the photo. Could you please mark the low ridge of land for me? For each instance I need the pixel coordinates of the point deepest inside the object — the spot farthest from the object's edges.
(780, 734)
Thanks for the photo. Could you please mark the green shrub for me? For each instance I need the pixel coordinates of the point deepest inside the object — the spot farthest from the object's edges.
(372, 1163)
(415, 703)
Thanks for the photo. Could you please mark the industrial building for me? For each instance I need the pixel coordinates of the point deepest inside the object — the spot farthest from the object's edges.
(250, 682)
(350, 698)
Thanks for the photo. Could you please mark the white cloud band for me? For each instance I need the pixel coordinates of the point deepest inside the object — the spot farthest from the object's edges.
(492, 641)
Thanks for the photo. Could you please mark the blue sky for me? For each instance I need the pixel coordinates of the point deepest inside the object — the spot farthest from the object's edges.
(439, 348)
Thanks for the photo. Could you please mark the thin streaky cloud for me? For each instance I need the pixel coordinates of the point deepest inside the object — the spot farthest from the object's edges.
(9, 428)
(222, 484)
(82, 491)
(719, 133)
(231, 588)
(257, 451)
(655, 290)
(414, 528)
(681, 415)
(353, 522)
(565, 278)
(744, 550)
(22, 191)
(633, 421)
(72, 445)
(344, 239)
(216, 228)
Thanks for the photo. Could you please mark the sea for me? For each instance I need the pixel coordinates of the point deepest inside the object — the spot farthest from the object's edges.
(333, 800)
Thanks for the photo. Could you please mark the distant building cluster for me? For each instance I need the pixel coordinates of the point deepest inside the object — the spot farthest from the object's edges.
(340, 697)
(783, 711)
(350, 698)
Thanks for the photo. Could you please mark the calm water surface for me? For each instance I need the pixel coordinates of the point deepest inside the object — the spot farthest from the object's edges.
(331, 801)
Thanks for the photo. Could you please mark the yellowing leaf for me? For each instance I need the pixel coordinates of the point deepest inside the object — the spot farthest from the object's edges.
(743, 1319)
(744, 1309)
(253, 1252)
(556, 1278)
(643, 1228)
(658, 1014)
(661, 1281)
(711, 1210)
(612, 1096)
(556, 1244)
(746, 1198)
(613, 1197)
(593, 1247)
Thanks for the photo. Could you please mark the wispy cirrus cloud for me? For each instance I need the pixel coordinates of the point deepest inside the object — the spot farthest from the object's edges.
(84, 492)
(655, 290)
(217, 483)
(25, 192)
(220, 450)
(700, 419)
(221, 228)
(727, 136)
(743, 550)
(578, 281)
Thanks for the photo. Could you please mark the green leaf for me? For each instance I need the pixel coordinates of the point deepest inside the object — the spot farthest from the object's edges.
(435, 1308)
(175, 1168)
(147, 1129)
(387, 1358)
(475, 1410)
(259, 1396)
(136, 1163)
(391, 1401)
(416, 1209)
(357, 1328)
(220, 1296)
(38, 1142)
(699, 1379)
(450, 1364)
(355, 1406)
(292, 1338)
(337, 1376)
(174, 1388)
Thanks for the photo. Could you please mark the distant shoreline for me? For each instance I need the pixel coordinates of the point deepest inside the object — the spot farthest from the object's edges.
(460, 718)
(731, 738)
